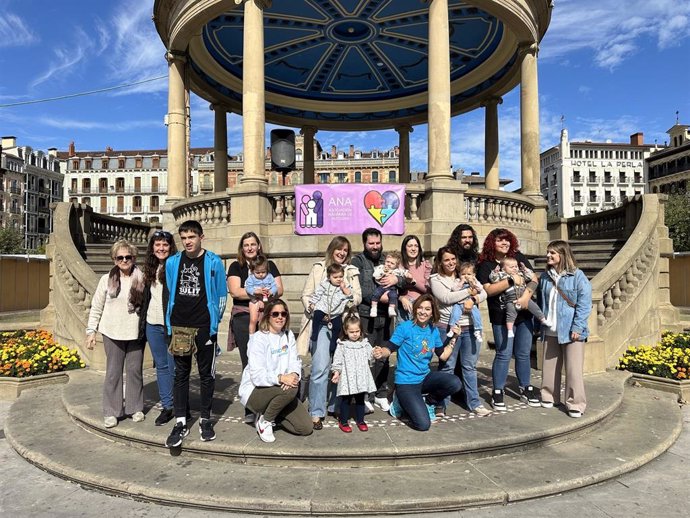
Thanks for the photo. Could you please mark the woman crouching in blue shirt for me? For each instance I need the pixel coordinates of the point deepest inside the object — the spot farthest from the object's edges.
(416, 386)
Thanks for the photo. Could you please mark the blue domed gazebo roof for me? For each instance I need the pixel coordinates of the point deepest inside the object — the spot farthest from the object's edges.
(354, 64)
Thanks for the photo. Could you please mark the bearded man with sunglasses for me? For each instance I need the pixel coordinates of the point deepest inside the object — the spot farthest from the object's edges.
(198, 294)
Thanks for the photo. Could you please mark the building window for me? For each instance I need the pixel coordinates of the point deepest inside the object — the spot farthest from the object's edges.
(120, 163)
(136, 204)
(391, 177)
(358, 176)
(138, 162)
(341, 177)
(155, 162)
(119, 185)
(104, 163)
(75, 165)
(607, 196)
(154, 203)
(120, 204)
(592, 196)
(607, 177)
(374, 177)
(323, 177)
(576, 176)
(592, 177)
(87, 163)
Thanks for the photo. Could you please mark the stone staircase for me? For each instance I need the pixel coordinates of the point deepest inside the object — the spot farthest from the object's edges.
(97, 256)
(462, 462)
(592, 255)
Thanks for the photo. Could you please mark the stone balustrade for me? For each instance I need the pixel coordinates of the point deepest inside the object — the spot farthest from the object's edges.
(498, 208)
(211, 210)
(72, 281)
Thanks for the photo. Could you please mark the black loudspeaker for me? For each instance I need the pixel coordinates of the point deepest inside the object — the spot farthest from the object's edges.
(282, 150)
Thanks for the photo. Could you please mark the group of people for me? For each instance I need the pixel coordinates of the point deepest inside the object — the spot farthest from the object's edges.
(358, 310)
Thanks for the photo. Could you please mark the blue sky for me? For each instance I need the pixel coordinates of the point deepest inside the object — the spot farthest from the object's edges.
(611, 68)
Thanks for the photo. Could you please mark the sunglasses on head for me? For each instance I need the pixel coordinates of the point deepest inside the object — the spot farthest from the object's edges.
(124, 257)
(162, 233)
(276, 314)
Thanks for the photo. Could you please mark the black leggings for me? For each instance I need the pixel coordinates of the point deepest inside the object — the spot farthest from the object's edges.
(345, 407)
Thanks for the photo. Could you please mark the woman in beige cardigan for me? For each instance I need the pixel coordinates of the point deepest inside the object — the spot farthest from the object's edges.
(339, 251)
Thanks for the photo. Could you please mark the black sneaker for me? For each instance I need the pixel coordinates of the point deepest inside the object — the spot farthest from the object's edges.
(529, 395)
(179, 432)
(497, 400)
(165, 416)
(206, 430)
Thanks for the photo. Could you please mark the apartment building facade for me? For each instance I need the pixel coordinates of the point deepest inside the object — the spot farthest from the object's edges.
(578, 178)
(669, 168)
(30, 180)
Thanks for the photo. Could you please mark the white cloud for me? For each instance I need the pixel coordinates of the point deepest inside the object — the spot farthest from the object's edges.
(137, 50)
(73, 124)
(14, 32)
(68, 57)
(608, 30)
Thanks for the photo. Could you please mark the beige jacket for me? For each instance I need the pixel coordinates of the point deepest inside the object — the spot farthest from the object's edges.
(316, 276)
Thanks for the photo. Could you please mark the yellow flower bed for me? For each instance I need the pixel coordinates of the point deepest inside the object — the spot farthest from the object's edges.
(670, 358)
(27, 353)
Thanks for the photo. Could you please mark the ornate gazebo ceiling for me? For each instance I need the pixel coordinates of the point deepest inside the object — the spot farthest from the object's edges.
(345, 64)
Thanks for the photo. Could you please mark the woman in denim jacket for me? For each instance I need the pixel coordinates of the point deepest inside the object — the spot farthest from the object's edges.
(565, 297)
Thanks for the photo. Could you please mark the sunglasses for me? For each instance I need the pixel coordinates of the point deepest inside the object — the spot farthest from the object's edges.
(162, 233)
(276, 314)
(124, 257)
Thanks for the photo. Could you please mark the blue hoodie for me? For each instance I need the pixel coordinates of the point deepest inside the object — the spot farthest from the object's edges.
(215, 283)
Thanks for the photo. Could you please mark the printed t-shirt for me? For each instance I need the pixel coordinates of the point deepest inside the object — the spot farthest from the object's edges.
(191, 305)
(415, 346)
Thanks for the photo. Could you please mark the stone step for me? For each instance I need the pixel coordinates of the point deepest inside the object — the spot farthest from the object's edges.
(644, 425)
(393, 441)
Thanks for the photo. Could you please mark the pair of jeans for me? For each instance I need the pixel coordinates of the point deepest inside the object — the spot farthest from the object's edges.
(519, 346)
(157, 338)
(321, 390)
(467, 349)
(206, 362)
(436, 385)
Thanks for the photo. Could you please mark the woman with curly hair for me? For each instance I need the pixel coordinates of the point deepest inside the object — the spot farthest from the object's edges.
(499, 244)
(152, 318)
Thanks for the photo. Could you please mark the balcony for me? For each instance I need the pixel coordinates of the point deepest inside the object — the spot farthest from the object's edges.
(15, 190)
(578, 180)
(44, 210)
(14, 210)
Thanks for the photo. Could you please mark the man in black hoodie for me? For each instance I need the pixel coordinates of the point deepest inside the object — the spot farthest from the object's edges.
(378, 329)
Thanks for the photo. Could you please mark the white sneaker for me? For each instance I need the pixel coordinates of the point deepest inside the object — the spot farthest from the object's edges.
(138, 417)
(391, 311)
(373, 312)
(383, 403)
(110, 422)
(265, 429)
(547, 404)
(368, 407)
(481, 411)
(574, 413)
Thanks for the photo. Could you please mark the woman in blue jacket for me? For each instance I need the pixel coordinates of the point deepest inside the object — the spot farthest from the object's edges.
(565, 297)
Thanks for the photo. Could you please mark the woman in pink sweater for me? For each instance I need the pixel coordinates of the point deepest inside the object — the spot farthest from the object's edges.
(420, 268)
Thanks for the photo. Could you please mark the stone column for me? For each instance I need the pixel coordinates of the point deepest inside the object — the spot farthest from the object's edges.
(220, 149)
(491, 172)
(529, 120)
(404, 131)
(177, 127)
(308, 154)
(439, 91)
(253, 103)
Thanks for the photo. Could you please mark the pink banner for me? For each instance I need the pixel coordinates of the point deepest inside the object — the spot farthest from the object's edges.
(349, 208)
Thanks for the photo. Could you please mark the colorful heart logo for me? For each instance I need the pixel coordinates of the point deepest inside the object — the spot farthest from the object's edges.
(381, 206)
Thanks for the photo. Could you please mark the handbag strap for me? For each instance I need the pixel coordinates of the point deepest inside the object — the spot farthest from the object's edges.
(567, 300)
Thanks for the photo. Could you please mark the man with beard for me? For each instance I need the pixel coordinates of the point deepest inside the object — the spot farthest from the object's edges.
(464, 243)
(378, 328)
